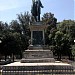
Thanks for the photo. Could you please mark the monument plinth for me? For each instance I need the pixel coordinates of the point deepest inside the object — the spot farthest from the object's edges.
(37, 51)
(38, 33)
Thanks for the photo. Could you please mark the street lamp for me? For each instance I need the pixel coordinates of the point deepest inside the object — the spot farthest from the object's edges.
(0, 46)
(0, 41)
(74, 41)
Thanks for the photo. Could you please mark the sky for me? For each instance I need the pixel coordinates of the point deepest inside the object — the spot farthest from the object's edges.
(62, 9)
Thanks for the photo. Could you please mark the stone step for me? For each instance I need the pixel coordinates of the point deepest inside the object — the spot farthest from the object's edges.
(18, 68)
(37, 60)
(37, 54)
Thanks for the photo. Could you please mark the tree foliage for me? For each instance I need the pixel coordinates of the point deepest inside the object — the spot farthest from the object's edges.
(73, 50)
(15, 36)
(67, 27)
(51, 21)
(60, 35)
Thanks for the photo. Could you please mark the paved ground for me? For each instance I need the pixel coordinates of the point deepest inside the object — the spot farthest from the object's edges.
(72, 62)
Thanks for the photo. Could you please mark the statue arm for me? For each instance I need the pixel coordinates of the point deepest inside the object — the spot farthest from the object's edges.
(41, 5)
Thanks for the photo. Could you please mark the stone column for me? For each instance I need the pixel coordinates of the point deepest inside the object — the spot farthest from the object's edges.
(43, 37)
(31, 37)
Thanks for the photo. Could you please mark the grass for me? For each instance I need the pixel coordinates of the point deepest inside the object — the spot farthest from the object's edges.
(0, 73)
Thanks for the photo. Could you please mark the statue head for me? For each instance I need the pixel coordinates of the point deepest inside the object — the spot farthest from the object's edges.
(33, 1)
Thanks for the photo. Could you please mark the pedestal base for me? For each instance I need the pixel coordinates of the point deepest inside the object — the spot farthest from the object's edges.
(38, 60)
(37, 54)
(18, 68)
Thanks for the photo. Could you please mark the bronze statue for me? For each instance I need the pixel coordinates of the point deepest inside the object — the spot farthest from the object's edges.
(36, 9)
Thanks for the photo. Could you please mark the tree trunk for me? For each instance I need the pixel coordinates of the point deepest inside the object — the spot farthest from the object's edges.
(60, 54)
(21, 55)
(0, 57)
(60, 57)
(13, 57)
(5, 57)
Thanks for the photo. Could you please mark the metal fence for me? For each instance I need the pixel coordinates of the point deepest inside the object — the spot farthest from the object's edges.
(37, 70)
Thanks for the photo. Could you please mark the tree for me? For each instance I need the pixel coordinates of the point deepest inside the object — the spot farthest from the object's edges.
(51, 21)
(3, 28)
(15, 26)
(11, 44)
(68, 29)
(22, 26)
(15, 36)
(59, 43)
(24, 21)
(73, 50)
(11, 39)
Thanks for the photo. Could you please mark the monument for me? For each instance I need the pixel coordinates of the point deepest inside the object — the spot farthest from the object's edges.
(36, 9)
(37, 51)
(38, 58)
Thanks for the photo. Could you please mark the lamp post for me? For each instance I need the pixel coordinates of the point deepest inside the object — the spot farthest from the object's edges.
(74, 51)
(74, 41)
(0, 46)
(0, 41)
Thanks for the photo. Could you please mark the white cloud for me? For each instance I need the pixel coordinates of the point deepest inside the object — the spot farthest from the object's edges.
(10, 4)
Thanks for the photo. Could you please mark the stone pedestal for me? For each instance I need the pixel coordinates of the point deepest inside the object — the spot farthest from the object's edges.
(37, 33)
(37, 54)
(37, 51)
